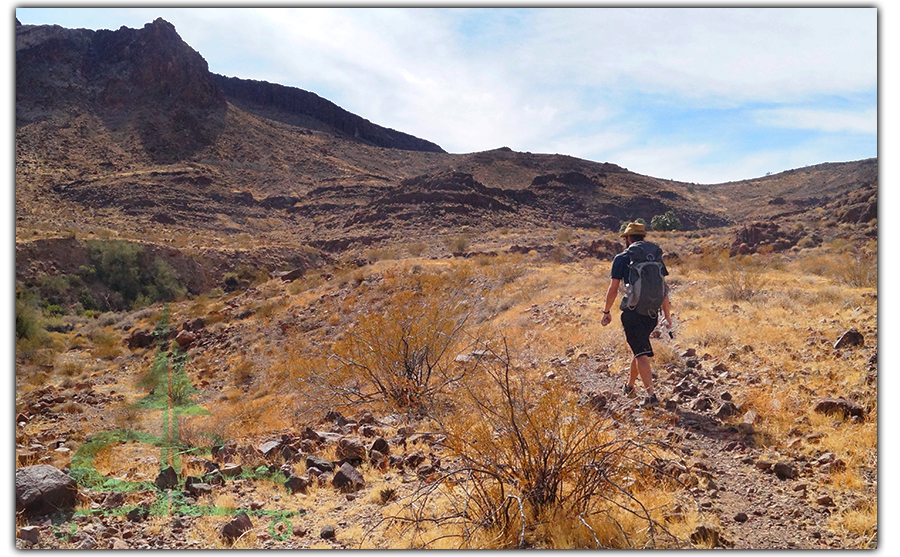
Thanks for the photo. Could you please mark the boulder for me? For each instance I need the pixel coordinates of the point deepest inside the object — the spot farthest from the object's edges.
(414, 460)
(185, 338)
(167, 479)
(348, 479)
(366, 418)
(838, 406)
(43, 489)
(199, 489)
(268, 448)
(320, 463)
(114, 500)
(291, 276)
(237, 526)
(137, 514)
(327, 532)
(727, 410)
(30, 534)
(140, 338)
(850, 338)
(296, 484)
(311, 435)
(784, 471)
(351, 450)
(381, 445)
(231, 470)
(194, 324)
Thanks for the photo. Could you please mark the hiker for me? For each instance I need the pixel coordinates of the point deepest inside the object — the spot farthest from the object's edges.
(641, 313)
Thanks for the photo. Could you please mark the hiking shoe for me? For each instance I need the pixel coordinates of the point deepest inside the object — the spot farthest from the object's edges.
(628, 390)
(650, 402)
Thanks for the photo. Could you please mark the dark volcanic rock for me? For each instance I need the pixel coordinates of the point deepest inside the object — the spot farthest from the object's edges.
(320, 463)
(43, 489)
(838, 406)
(348, 479)
(424, 198)
(850, 338)
(240, 524)
(147, 79)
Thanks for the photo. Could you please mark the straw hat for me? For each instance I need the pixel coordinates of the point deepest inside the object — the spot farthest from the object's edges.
(634, 229)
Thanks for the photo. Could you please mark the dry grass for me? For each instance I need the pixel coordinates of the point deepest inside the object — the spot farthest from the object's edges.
(771, 319)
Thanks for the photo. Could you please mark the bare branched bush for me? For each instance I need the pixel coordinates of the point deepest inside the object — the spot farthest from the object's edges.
(458, 244)
(741, 277)
(527, 454)
(403, 352)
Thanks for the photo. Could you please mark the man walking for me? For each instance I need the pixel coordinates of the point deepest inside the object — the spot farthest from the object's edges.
(642, 268)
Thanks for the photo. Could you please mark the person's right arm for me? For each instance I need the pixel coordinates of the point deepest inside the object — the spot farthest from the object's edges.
(611, 294)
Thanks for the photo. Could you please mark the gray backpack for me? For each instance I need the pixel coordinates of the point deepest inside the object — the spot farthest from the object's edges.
(645, 284)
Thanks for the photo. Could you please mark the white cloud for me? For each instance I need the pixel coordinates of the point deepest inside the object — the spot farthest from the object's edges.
(822, 120)
(751, 53)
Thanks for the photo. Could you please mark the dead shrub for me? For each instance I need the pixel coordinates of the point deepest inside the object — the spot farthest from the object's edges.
(107, 345)
(527, 453)
(741, 278)
(458, 244)
(402, 351)
(417, 249)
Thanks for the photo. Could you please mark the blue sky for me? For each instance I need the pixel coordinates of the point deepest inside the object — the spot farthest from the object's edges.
(702, 95)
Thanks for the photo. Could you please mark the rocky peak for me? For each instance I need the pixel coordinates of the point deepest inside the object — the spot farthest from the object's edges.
(147, 82)
(101, 70)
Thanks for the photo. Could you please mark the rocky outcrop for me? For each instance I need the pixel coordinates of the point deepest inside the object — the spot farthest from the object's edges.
(424, 198)
(750, 238)
(145, 80)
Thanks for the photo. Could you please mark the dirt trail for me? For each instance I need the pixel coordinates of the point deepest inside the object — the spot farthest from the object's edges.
(755, 508)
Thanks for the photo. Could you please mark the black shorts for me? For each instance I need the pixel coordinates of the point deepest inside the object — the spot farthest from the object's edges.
(637, 331)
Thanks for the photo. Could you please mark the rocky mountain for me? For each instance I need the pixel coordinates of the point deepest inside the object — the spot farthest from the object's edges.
(127, 134)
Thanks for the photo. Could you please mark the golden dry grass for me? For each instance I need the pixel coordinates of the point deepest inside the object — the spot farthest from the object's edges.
(773, 332)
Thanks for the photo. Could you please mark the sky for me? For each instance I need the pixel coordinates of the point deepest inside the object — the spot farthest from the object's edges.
(704, 95)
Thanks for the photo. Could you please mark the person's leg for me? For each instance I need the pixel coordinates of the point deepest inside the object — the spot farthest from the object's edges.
(642, 363)
(634, 372)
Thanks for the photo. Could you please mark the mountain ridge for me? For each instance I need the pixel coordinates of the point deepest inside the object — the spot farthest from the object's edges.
(128, 130)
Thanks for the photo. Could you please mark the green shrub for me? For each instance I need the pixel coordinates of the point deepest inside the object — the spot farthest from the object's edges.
(28, 320)
(118, 266)
(244, 276)
(133, 280)
(665, 222)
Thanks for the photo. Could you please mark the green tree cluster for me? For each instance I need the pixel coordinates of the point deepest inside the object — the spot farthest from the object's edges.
(134, 279)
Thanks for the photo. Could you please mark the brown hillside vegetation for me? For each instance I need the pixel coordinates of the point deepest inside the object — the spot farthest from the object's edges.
(241, 324)
(498, 396)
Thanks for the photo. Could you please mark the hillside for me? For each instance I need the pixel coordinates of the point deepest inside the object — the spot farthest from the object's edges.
(128, 130)
(247, 318)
